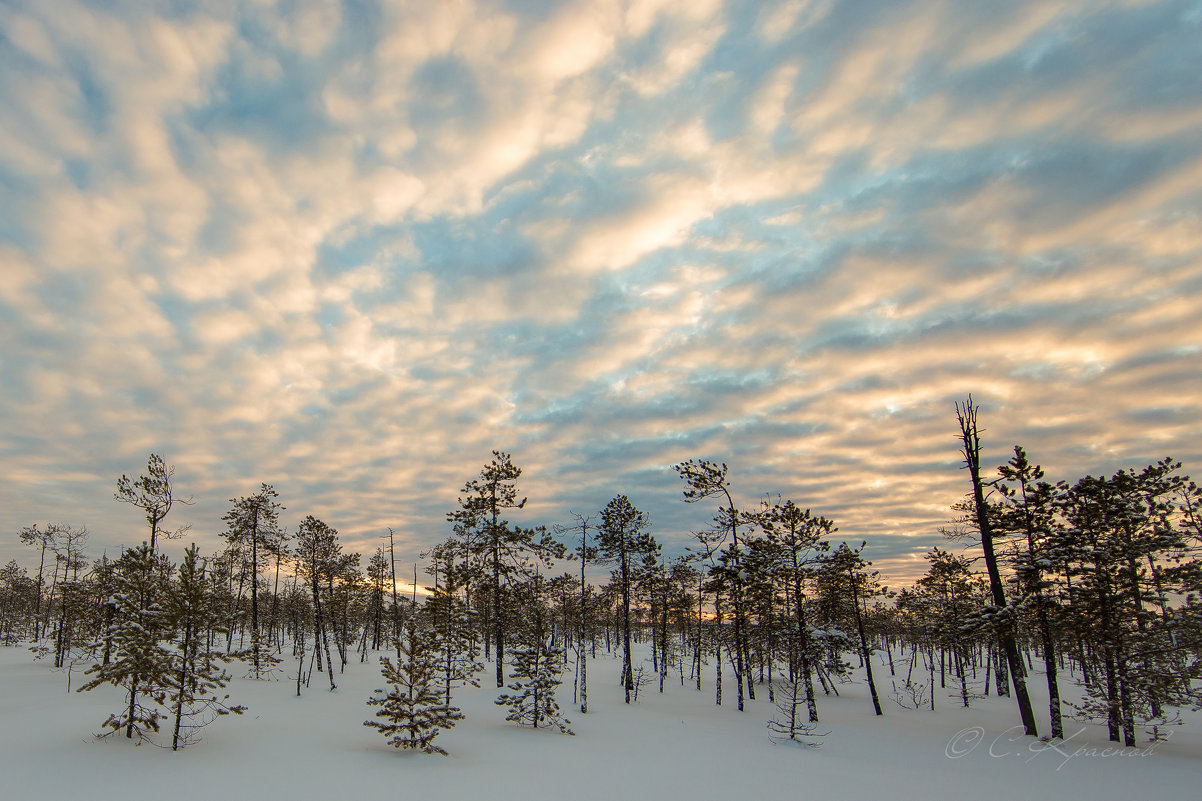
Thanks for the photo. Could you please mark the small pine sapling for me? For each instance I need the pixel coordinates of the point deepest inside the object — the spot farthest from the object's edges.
(413, 710)
(260, 662)
(452, 626)
(535, 677)
(536, 673)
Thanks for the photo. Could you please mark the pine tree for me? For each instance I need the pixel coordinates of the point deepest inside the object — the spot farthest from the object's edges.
(194, 673)
(584, 552)
(764, 598)
(16, 603)
(318, 552)
(76, 604)
(953, 596)
(499, 553)
(1122, 551)
(622, 540)
(451, 624)
(43, 539)
(795, 537)
(536, 670)
(154, 493)
(1028, 511)
(705, 479)
(66, 543)
(845, 576)
(378, 573)
(413, 711)
(254, 521)
(140, 661)
(970, 439)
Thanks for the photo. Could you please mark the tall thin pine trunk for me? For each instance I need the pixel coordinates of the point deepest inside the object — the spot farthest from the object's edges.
(320, 640)
(718, 648)
(627, 667)
(37, 600)
(254, 591)
(581, 650)
(970, 438)
(866, 654)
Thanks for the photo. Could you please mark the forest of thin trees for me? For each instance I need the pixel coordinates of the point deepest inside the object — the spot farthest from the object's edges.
(1090, 586)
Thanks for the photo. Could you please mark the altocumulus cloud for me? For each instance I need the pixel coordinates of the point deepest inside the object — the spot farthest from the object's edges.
(350, 248)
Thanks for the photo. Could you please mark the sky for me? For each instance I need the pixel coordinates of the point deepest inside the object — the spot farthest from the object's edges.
(350, 248)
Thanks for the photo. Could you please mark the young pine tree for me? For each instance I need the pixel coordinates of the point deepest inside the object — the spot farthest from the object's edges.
(451, 625)
(705, 479)
(195, 671)
(796, 538)
(537, 662)
(847, 581)
(623, 541)
(140, 660)
(317, 554)
(413, 711)
(1028, 511)
(501, 553)
(253, 525)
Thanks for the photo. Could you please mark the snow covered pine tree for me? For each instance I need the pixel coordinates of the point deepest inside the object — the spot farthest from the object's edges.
(195, 671)
(536, 668)
(140, 661)
(413, 711)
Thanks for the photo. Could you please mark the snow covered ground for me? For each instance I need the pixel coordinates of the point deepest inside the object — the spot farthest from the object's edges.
(678, 745)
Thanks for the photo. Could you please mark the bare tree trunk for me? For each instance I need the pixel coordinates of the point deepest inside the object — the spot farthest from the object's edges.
(50, 600)
(581, 651)
(276, 635)
(803, 656)
(718, 648)
(320, 640)
(663, 643)
(855, 600)
(37, 600)
(254, 593)
(627, 667)
(700, 627)
(185, 650)
(498, 629)
(396, 609)
(970, 438)
(133, 696)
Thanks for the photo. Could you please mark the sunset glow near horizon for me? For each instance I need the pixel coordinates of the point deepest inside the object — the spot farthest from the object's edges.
(350, 248)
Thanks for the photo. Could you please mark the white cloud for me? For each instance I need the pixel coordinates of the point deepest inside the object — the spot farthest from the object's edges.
(573, 40)
(661, 218)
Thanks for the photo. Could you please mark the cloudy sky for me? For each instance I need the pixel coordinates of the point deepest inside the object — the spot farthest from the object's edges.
(349, 248)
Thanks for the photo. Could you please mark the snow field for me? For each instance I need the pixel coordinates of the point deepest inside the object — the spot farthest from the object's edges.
(677, 746)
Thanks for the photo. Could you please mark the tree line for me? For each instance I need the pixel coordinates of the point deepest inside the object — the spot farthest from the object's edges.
(1093, 583)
